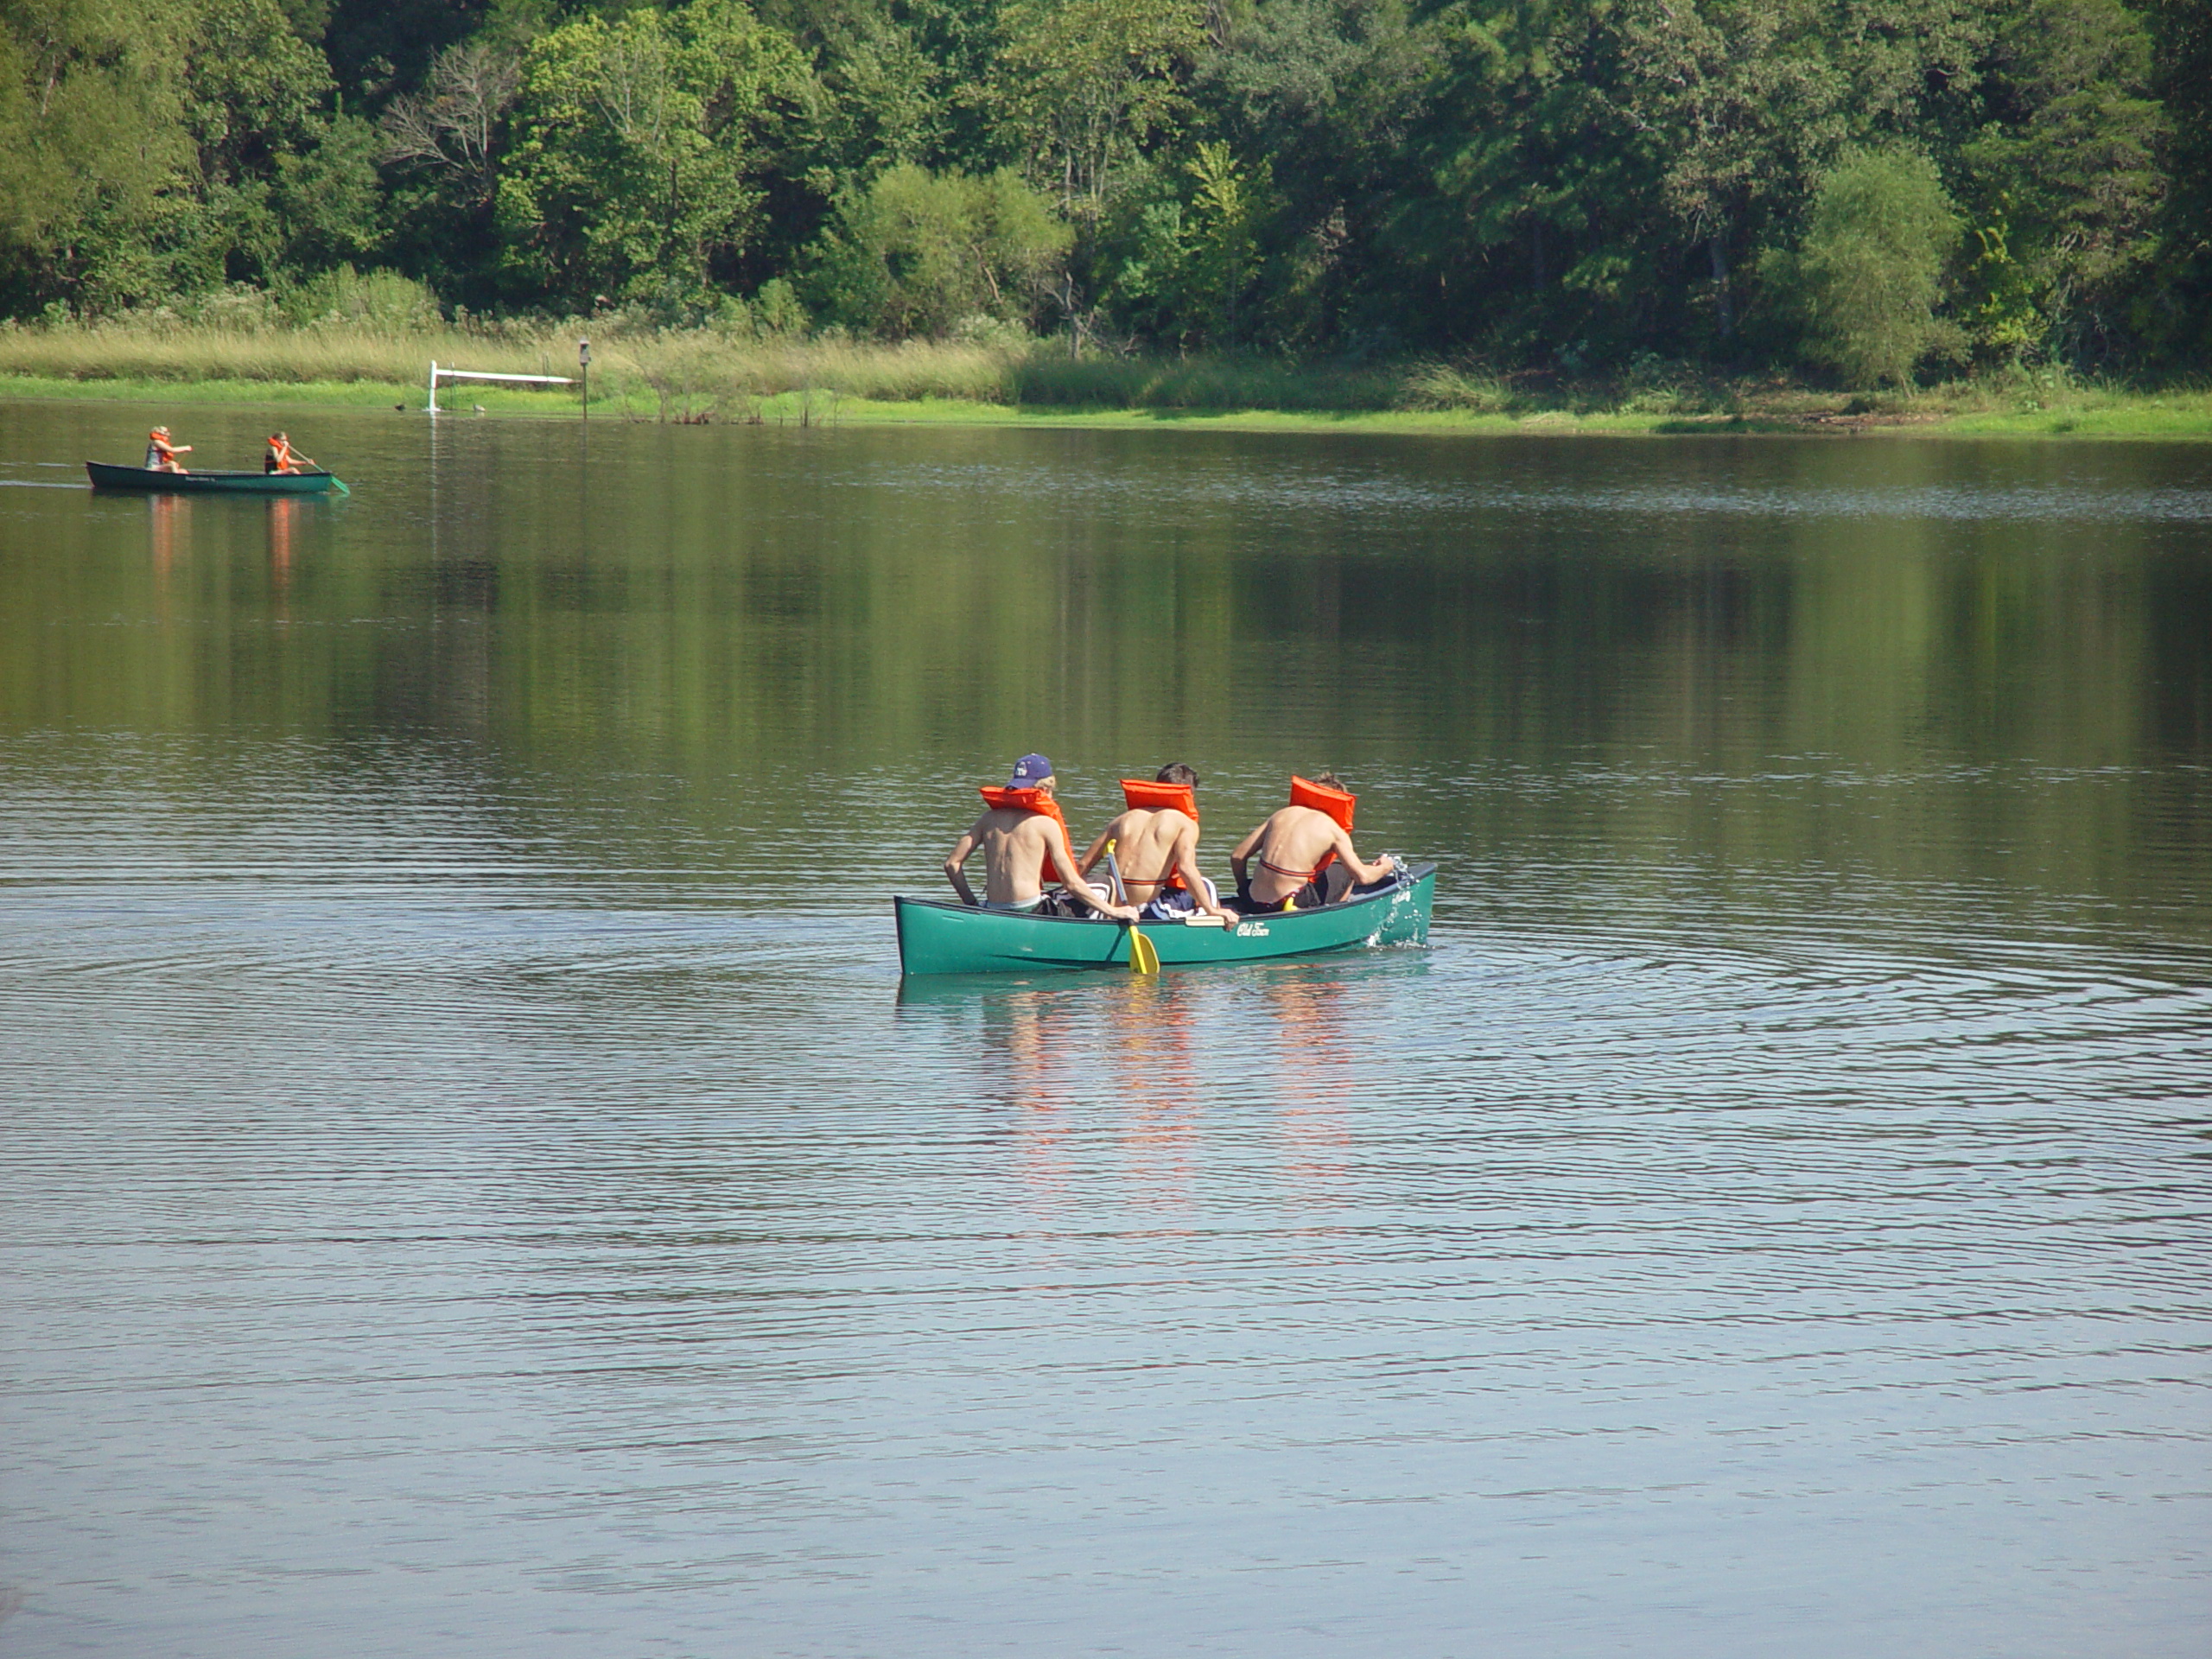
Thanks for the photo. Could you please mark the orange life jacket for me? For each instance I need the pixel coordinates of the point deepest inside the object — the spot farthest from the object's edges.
(1033, 800)
(1337, 803)
(1154, 797)
(281, 452)
(1141, 796)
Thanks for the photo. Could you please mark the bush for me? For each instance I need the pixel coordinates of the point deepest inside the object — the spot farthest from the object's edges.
(236, 305)
(1431, 385)
(377, 300)
(1864, 280)
(919, 252)
(776, 311)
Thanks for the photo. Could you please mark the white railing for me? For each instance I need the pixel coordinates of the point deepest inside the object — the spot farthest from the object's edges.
(438, 374)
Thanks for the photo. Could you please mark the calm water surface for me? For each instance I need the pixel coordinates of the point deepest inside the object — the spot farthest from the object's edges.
(471, 1182)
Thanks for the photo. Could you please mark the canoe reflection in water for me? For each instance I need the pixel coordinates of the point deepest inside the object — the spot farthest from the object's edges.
(1152, 1061)
(168, 524)
(283, 520)
(1314, 1074)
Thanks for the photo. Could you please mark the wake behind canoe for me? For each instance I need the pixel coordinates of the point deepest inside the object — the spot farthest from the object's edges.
(943, 936)
(105, 476)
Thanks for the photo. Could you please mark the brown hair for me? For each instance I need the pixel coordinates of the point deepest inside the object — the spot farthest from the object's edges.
(1177, 773)
(1329, 780)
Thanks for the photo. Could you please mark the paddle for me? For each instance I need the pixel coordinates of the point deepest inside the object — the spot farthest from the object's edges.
(1144, 956)
(308, 464)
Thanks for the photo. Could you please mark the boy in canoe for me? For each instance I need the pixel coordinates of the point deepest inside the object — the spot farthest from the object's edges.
(1025, 848)
(161, 454)
(282, 458)
(1295, 847)
(1156, 847)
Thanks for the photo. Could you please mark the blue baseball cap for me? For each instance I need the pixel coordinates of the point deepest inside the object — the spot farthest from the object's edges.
(1030, 770)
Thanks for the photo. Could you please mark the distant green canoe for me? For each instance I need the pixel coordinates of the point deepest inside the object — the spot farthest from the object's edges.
(945, 936)
(106, 477)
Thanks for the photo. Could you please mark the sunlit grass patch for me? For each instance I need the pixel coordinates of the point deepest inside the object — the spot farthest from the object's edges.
(711, 375)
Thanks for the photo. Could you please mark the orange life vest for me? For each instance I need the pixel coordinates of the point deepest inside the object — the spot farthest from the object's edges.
(1337, 803)
(281, 453)
(1154, 798)
(1033, 800)
(1141, 796)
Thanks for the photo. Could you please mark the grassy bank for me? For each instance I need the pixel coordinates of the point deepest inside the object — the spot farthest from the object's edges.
(707, 377)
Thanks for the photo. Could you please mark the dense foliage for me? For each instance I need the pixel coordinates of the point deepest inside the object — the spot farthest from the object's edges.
(1882, 186)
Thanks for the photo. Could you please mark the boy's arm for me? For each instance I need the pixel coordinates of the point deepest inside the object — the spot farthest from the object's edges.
(1186, 866)
(1071, 879)
(955, 863)
(1111, 832)
(1242, 849)
(1361, 870)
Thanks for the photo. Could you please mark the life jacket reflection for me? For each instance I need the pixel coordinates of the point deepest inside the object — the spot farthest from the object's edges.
(1143, 797)
(1033, 800)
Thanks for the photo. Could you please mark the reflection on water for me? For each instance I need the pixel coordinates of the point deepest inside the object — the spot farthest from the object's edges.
(170, 535)
(476, 1185)
(284, 521)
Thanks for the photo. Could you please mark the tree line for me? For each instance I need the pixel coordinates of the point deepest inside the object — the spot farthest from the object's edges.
(1879, 188)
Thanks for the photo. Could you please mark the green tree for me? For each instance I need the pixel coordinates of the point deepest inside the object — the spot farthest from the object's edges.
(917, 252)
(255, 98)
(2174, 310)
(1530, 221)
(1326, 91)
(444, 141)
(148, 151)
(2065, 164)
(637, 147)
(1222, 230)
(1085, 85)
(1870, 269)
(883, 100)
(1553, 182)
(1738, 95)
(97, 165)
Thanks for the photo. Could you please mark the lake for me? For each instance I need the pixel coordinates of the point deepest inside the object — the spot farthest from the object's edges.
(475, 1182)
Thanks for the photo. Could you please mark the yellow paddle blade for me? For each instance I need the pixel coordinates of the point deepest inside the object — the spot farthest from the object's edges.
(1144, 958)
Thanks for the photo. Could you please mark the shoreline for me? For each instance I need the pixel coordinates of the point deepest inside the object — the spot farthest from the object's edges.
(2172, 417)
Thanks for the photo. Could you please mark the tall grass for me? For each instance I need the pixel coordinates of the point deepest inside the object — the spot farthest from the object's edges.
(185, 353)
(703, 373)
(711, 374)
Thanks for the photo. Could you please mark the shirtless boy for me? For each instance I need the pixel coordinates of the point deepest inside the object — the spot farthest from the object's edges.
(1025, 849)
(1290, 846)
(1153, 844)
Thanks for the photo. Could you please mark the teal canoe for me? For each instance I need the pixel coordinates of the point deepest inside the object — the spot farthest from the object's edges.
(946, 937)
(107, 477)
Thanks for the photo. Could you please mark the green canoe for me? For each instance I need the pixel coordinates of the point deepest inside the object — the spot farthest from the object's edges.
(107, 477)
(946, 937)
